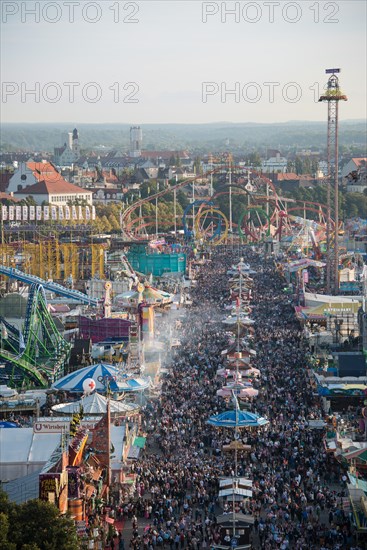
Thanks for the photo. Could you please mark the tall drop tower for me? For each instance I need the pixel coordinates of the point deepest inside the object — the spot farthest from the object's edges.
(332, 96)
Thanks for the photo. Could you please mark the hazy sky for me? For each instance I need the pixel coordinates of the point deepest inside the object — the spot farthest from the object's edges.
(159, 61)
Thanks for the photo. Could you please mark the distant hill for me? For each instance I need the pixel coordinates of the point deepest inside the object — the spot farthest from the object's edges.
(202, 137)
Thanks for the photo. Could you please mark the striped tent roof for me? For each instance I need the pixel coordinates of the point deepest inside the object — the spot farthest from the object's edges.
(101, 372)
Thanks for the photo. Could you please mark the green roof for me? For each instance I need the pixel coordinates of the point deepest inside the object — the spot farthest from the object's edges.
(140, 442)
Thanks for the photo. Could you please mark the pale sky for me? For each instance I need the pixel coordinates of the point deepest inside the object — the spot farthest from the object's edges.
(165, 58)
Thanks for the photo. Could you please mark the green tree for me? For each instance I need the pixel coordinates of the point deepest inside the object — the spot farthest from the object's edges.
(115, 224)
(4, 531)
(197, 165)
(290, 166)
(35, 525)
(298, 166)
(107, 227)
(254, 160)
(40, 523)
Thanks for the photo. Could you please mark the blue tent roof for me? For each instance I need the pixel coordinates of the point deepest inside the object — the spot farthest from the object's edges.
(119, 381)
(237, 418)
(6, 424)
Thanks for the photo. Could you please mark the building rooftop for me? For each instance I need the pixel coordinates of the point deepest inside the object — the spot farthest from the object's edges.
(46, 186)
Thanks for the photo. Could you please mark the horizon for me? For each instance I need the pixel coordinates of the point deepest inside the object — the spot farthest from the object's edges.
(214, 122)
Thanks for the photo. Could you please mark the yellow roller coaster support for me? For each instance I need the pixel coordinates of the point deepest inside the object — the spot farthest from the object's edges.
(201, 234)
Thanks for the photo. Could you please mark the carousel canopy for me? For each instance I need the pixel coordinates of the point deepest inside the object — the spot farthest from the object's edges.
(244, 321)
(237, 419)
(227, 373)
(95, 403)
(244, 391)
(118, 381)
(149, 295)
(245, 350)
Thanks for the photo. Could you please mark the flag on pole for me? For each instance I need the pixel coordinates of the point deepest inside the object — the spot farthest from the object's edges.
(25, 213)
(11, 213)
(87, 213)
(73, 213)
(4, 212)
(93, 212)
(32, 212)
(61, 213)
(18, 213)
(46, 212)
(38, 213)
(80, 212)
(53, 213)
(67, 213)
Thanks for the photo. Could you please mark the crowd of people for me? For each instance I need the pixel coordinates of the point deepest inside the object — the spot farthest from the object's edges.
(298, 490)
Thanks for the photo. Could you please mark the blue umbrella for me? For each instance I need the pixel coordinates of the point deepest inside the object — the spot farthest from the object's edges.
(237, 419)
(100, 373)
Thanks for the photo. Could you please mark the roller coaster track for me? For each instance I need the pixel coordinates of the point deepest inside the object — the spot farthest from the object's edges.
(47, 285)
(279, 204)
(127, 223)
(39, 353)
(126, 216)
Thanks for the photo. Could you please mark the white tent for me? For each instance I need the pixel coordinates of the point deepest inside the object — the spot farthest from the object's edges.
(95, 403)
(23, 452)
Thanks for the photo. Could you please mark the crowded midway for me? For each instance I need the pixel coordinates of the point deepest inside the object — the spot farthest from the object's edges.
(297, 498)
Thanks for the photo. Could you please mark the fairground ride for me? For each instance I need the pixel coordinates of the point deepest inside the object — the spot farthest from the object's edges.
(37, 354)
(48, 258)
(265, 214)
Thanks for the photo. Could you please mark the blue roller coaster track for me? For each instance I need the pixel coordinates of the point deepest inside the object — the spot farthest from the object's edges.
(37, 354)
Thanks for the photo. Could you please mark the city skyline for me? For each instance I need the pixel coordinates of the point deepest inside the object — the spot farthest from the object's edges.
(180, 62)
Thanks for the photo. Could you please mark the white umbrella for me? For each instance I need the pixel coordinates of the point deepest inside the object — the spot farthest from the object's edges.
(95, 403)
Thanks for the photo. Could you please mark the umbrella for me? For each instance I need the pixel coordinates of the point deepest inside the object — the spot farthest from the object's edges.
(237, 419)
(232, 373)
(118, 382)
(245, 391)
(238, 388)
(95, 403)
(249, 392)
